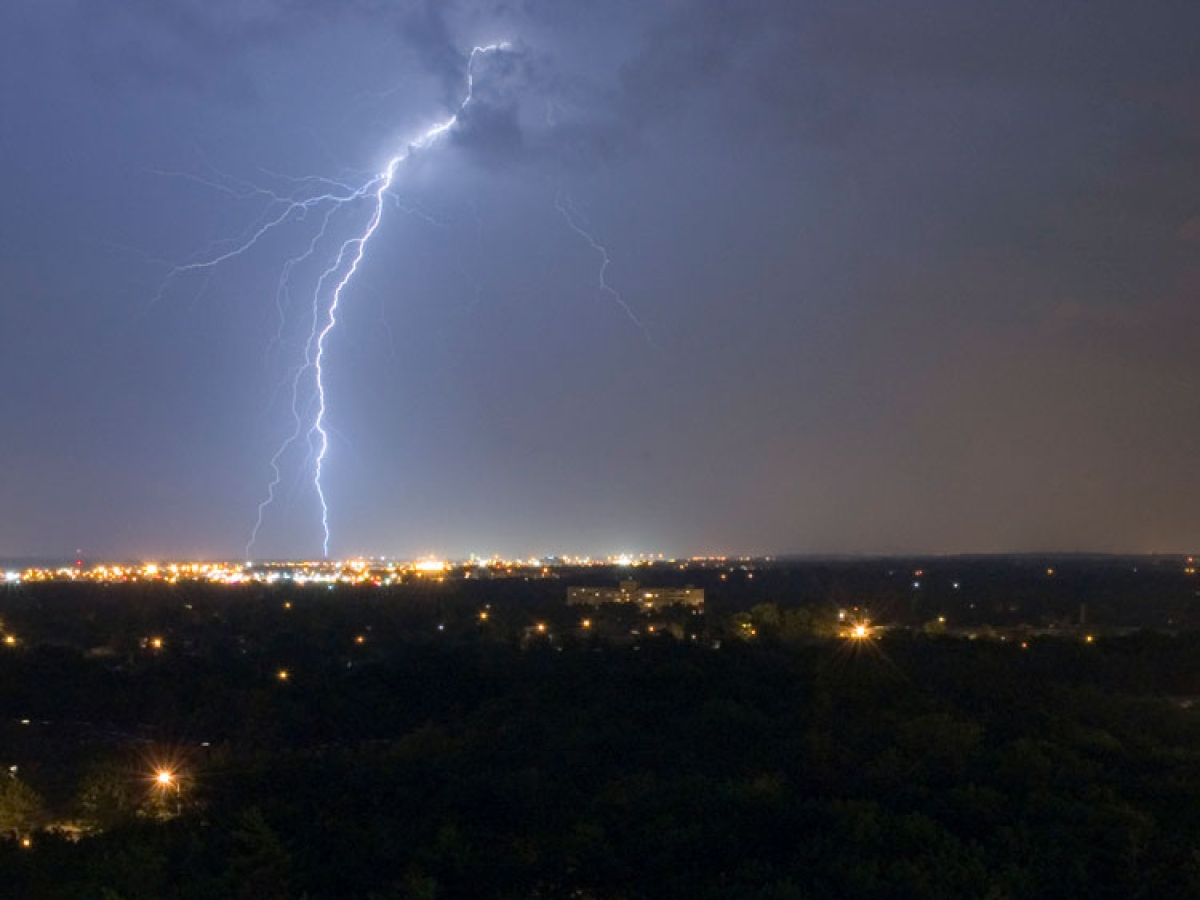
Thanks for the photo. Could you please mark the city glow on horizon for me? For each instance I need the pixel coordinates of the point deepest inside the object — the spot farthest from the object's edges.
(377, 571)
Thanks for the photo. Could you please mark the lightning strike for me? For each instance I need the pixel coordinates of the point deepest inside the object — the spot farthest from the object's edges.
(359, 245)
(577, 223)
(328, 196)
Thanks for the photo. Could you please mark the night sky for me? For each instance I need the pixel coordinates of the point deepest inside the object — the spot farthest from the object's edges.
(917, 276)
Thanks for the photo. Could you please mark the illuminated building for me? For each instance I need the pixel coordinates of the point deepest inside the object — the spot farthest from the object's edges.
(647, 598)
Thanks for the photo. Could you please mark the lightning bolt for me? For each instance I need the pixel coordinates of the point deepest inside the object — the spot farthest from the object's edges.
(353, 250)
(577, 223)
(329, 197)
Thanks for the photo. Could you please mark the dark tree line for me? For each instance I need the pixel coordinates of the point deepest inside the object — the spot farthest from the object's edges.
(907, 768)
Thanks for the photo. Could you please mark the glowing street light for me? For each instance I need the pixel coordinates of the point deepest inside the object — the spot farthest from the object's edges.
(167, 783)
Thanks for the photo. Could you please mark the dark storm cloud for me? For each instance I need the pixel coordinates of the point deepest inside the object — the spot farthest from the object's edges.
(683, 53)
(1099, 47)
(679, 49)
(198, 43)
(672, 57)
(491, 133)
(424, 29)
(146, 42)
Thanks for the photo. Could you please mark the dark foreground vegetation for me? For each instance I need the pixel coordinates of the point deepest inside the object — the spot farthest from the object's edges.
(477, 761)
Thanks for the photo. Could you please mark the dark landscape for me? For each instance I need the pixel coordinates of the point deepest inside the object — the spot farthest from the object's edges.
(473, 738)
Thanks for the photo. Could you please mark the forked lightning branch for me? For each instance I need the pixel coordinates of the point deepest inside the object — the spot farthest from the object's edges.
(309, 401)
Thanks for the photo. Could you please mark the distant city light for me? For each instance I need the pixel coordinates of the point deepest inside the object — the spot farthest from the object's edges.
(358, 571)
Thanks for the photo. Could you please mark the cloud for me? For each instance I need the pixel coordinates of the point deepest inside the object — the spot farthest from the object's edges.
(193, 43)
(583, 85)
(1096, 47)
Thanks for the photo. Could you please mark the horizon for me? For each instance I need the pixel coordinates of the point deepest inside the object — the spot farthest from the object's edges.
(568, 560)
